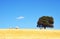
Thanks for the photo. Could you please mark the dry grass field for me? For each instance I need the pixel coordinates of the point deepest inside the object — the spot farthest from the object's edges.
(29, 34)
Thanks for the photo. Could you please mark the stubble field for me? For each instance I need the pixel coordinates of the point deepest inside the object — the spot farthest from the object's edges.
(29, 34)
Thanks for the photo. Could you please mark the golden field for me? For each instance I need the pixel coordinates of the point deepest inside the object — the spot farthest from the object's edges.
(29, 34)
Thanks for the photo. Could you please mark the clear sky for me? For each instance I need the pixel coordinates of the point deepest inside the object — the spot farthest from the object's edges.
(25, 13)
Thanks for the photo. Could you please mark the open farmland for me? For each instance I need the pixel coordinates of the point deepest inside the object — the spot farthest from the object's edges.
(29, 34)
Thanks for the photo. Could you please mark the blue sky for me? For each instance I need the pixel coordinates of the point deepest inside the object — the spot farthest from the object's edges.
(25, 13)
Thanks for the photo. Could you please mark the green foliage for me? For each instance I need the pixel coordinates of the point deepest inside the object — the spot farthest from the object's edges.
(45, 21)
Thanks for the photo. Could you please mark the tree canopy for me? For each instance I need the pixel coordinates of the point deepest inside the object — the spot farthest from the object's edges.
(45, 21)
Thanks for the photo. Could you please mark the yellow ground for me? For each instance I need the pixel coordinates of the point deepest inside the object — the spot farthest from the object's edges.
(29, 34)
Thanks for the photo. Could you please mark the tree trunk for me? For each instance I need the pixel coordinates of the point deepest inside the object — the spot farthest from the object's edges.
(44, 27)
